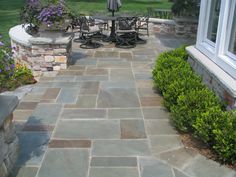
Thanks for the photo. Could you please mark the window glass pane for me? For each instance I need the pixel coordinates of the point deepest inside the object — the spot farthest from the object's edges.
(213, 20)
(232, 43)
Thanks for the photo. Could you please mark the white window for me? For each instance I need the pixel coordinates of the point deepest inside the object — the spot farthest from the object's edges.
(217, 33)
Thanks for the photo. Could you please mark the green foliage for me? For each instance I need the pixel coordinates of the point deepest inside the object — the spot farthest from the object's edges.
(225, 137)
(186, 7)
(190, 105)
(11, 75)
(179, 87)
(194, 107)
(169, 67)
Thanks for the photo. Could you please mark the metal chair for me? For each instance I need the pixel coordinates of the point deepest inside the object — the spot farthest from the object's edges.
(142, 24)
(87, 32)
(126, 34)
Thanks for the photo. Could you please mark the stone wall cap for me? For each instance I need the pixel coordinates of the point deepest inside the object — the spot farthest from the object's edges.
(228, 82)
(7, 106)
(162, 21)
(51, 39)
(186, 19)
(19, 35)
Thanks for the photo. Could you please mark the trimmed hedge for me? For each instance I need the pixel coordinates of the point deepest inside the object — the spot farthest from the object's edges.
(195, 108)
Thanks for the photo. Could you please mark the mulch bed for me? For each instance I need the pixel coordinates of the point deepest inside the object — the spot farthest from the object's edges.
(191, 142)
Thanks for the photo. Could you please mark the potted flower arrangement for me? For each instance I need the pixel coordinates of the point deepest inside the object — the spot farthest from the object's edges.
(44, 15)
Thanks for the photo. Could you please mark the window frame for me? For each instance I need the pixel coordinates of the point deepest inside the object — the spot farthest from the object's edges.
(218, 51)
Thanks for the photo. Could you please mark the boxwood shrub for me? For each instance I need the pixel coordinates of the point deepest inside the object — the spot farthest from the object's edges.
(195, 108)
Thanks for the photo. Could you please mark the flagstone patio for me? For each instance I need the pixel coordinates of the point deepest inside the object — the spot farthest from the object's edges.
(102, 118)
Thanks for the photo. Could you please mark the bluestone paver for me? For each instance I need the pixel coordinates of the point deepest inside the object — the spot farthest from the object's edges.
(32, 148)
(151, 167)
(103, 117)
(88, 129)
(113, 172)
(65, 163)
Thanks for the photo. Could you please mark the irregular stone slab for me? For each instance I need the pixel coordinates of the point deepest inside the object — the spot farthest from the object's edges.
(83, 113)
(96, 72)
(51, 93)
(179, 174)
(151, 167)
(31, 98)
(148, 92)
(76, 67)
(70, 73)
(67, 95)
(56, 143)
(38, 128)
(106, 54)
(143, 76)
(65, 85)
(45, 114)
(125, 113)
(91, 78)
(114, 162)
(156, 113)
(88, 88)
(126, 55)
(120, 148)
(22, 115)
(144, 84)
(160, 127)
(24, 172)
(70, 78)
(27, 105)
(121, 75)
(117, 84)
(91, 129)
(65, 163)
(86, 62)
(178, 158)
(113, 172)
(164, 143)
(201, 166)
(32, 147)
(151, 101)
(118, 98)
(84, 101)
(132, 129)
(113, 64)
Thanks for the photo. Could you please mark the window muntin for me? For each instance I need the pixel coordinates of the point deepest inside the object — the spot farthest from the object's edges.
(213, 20)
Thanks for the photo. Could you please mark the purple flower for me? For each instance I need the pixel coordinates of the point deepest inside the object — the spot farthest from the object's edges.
(33, 3)
(7, 68)
(13, 66)
(1, 44)
(0, 70)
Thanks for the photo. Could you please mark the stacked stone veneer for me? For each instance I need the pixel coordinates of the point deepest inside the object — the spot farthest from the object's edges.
(8, 139)
(181, 27)
(47, 52)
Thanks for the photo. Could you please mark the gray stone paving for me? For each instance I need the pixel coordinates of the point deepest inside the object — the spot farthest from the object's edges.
(102, 118)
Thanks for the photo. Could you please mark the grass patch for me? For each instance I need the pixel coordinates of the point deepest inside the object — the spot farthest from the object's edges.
(9, 10)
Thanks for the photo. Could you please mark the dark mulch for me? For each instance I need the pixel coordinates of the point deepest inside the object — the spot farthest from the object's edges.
(190, 141)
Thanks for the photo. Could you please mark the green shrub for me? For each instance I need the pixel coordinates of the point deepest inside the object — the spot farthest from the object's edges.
(190, 105)
(225, 137)
(194, 107)
(181, 86)
(168, 70)
(207, 122)
(23, 74)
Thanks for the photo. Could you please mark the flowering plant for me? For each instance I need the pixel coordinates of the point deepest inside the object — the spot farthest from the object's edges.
(11, 75)
(49, 13)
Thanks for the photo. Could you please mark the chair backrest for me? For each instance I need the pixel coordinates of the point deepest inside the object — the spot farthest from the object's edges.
(126, 23)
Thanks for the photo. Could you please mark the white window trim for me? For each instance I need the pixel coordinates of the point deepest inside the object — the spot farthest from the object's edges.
(218, 52)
